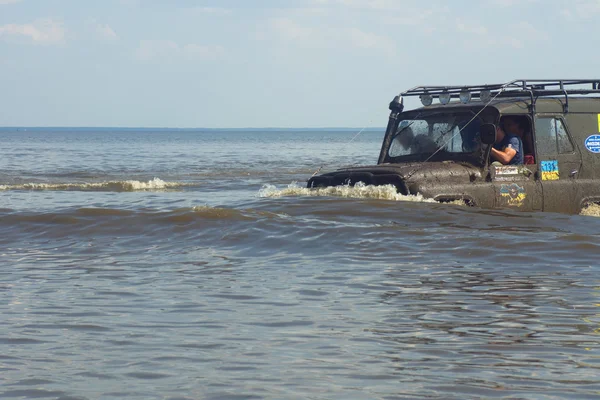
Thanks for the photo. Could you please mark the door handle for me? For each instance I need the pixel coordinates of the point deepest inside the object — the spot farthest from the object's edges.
(573, 173)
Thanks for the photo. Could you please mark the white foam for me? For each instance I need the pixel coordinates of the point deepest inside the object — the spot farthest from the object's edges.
(360, 190)
(120, 186)
(592, 210)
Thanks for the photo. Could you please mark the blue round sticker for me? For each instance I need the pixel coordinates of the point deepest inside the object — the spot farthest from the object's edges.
(592, 143)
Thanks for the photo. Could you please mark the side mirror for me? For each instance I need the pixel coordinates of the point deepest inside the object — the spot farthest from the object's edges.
(487, 132)
(397, 105)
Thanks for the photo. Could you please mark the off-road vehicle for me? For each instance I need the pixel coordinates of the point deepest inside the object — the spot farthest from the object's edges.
(442, 150)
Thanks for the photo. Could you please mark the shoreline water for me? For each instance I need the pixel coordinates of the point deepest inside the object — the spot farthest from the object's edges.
(185, 266)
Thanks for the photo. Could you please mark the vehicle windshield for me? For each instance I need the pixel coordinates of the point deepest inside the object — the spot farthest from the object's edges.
(445, 135)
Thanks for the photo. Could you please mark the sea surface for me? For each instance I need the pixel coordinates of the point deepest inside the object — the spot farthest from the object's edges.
(193, 264)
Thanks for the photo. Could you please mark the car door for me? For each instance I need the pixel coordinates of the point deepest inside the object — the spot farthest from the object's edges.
(559, 162)
(516, 186)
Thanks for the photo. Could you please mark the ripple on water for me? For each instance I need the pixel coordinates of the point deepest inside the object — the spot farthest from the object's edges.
(300, 297)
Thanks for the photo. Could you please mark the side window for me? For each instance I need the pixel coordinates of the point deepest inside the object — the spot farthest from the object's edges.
(544, 136)
(564, 143)
(551, 136)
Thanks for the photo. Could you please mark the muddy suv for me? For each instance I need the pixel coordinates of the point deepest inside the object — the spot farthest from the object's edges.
(442, 151)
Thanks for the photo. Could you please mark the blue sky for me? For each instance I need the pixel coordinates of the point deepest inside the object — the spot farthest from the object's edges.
(267, 63)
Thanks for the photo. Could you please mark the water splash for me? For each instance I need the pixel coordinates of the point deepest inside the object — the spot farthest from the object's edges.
(360, 190)
(111, 186)
(591, 210)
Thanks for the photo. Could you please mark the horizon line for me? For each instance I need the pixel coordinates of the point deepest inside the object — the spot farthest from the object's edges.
(189, 128)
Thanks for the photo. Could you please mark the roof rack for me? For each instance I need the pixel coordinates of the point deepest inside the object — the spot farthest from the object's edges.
(516, 88)
(531, 88)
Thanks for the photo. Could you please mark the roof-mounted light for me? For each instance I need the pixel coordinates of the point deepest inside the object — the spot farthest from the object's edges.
(444, 98)
(485, 96)
(464, 96)
(426, 99)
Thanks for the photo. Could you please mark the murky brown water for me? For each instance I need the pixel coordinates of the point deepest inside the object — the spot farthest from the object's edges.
(186, 265)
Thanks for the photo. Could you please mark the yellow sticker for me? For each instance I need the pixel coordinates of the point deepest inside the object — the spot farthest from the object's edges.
(550, 175)
(513, 194)
(598, 122)
(550, 170)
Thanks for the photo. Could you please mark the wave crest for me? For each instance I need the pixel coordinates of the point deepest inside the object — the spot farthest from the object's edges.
(111, 186)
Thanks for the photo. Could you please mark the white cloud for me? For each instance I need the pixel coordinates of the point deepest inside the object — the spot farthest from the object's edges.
(290, 30)
(368, 40)
(308, 11)
(515, 3)
(526, 30)
(328, 37)
(436, 20)
(420, 21)
(525, 35)
(584, 9)
(376, 4)
(212, 10)
(426, 19)
(41, 31)
(478, 36)
(390, 5)
(106, 32)
(471, 28)
(166, 49)
(382, 5)
(203, 52)
(149, 49)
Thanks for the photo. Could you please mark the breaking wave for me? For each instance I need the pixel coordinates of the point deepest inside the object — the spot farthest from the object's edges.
(360, 190)
(110, 186)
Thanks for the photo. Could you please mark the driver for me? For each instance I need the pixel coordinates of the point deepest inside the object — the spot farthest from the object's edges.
(508, 149)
